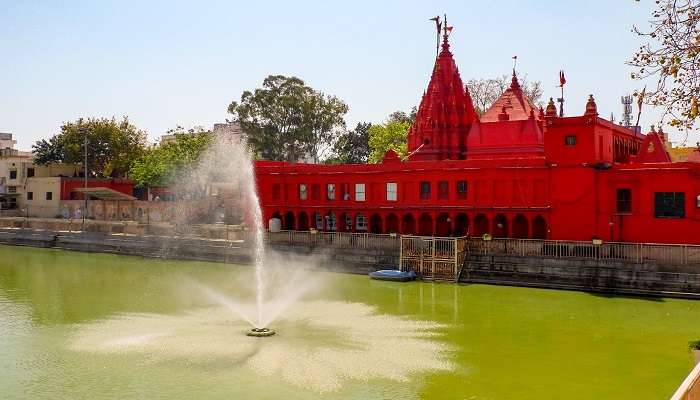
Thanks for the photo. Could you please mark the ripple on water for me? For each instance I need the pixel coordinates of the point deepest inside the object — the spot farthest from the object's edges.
(319, 345)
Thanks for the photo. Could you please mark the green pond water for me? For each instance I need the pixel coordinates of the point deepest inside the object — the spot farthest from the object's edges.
(97, 326)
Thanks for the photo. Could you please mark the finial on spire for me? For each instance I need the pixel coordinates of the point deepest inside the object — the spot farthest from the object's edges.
(438, 26)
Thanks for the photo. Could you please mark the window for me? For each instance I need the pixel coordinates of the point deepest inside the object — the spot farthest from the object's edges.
(49, 195)
(361, 222)
(359, 194)
(391, 191)
(303, 194)
(319, 221)
(443, 190)
(624, 200)
(461, 190)
(315, 191)
(330, 191)
(348, 222)
(697, 201)
(570, 140)
(276, 192)
(30, 172)
(13, 174)
(425, 190)
(12, 189)
(30, 195)
(669, 205)
(346, 191)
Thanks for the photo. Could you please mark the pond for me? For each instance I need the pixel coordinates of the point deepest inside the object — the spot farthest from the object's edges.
(81, 325)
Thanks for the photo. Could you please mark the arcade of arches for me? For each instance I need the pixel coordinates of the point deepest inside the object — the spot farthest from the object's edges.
(513, 225)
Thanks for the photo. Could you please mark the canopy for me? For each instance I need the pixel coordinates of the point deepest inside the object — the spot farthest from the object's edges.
(103, 193)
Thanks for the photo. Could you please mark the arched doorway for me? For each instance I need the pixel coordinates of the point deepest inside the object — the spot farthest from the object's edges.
(520, 227)
(425, 225)
(481, 225)
(318, 221)
(331, 222)
(346, 223)
(539, 228)
(375, 223)
(408, 225)
(289, 223)
(461, 225)
(392, 223)
(443, 226)
(277, 215)
(500, 226)
(303, 221)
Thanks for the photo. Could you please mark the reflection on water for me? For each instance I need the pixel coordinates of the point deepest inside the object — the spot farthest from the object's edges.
(319, 344)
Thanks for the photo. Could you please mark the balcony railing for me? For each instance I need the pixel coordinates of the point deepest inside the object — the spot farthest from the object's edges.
(690, 388)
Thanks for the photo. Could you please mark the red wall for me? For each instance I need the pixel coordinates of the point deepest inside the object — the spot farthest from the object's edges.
(70, 184)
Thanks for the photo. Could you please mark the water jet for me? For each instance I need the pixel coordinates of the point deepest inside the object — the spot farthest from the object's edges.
(260, 332)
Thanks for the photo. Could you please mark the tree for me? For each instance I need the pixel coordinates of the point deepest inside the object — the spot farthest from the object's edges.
(352, 147)
(390, 135)
(287, 120)
(112, 145)
(672, 56)
(485, 92)
(160, 165)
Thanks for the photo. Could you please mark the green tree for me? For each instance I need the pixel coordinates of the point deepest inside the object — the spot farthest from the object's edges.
(386, 136)
(671, 57)
(352, 147)
(113, 146)
(287, 120)
(160, 165)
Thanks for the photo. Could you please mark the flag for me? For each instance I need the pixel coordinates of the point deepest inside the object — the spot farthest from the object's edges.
(640, 98)
(515, 57)
(562, 79)
(449, 28)
(436, 19)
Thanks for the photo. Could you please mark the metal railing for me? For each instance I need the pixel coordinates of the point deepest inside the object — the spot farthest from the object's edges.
(337, 240)
(690, 388)
(676, 254)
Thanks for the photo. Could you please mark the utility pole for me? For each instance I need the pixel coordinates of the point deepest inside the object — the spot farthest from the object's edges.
(85, 171)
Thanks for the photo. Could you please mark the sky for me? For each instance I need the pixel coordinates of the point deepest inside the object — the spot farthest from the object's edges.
(169, 63)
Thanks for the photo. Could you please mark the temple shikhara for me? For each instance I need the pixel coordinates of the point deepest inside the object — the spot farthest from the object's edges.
(515, 171)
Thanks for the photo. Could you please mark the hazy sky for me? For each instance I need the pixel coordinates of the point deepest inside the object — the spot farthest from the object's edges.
(180, 63)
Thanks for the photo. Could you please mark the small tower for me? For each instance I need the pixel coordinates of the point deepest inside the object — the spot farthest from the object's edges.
(591, 106)
(626, 120)
(551, 110)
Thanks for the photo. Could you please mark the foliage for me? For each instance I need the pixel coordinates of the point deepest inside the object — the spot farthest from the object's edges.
(672, 56)
(390, 135)
(485, 92)
(352, 147)
(113, 146)
(287, 120)
(694, 345)
(161, 164)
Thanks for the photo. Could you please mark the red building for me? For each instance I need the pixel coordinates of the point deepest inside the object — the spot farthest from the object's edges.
(516, 171)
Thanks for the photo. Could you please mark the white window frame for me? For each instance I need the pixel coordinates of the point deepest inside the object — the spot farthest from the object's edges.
(303, 192)
(361, 222)
(392, 191)
(360, 192)
(330, 191)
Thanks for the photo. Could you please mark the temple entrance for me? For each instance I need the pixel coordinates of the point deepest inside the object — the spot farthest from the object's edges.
(375, 223)
(289, 221)
(500, 226)
(303, 221)
(392, 223)
(520, 227)
(408, 225)
(539, 228)
(443, 226)
(481, 225)
(425, 225)
(461, 225)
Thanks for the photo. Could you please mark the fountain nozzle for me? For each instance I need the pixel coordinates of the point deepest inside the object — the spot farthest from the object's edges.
(260, 332)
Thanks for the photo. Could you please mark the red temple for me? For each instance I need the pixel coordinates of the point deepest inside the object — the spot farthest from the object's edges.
(517, 171)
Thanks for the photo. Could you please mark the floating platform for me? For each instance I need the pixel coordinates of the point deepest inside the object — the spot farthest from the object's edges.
(393, 275)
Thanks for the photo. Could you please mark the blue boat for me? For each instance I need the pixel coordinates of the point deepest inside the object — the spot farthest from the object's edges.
(393, 275)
